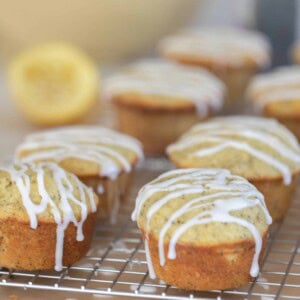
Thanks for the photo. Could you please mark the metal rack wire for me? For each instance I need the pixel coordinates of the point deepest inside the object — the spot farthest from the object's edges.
(115, 264)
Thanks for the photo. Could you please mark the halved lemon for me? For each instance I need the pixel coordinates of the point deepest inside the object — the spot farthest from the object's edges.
(53, 84)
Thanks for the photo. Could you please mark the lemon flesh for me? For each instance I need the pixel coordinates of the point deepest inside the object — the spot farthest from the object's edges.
(53, 84)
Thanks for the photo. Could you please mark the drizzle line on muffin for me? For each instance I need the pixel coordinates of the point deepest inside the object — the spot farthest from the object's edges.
(243, 133)
(62, 211)
(94, 144)
(228, 193)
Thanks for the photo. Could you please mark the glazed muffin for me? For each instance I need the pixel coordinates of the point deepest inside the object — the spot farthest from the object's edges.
(233, 54)
(101, 158)
(157, 101)
(258, 149)
(47, 217)
(277, 94)
(203, 228)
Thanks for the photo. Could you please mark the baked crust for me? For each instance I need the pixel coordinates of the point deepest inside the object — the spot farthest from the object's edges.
(240, 147)
(262, 179)
(110, 192)
(86, 169)
(99, 156)
(277, 94)
(224, 266)
(160, 85)
(82, 150)
(290, 117)
(292, 124)
(203, 228)
(24, 248)
(213, 65)
(278, 196)
(154, 103)
(248, 148)
(235, 78)
(283, 110)
(155, 129)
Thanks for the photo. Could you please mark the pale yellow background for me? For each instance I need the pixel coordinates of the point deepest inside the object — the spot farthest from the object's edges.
(107, 29)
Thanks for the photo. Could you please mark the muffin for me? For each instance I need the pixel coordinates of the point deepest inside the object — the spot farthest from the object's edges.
(258, 149)
(233, 54)
(295, 53)
(203, 228)
(157, 101)
(277, 94)
(47, 217)
(101, 158)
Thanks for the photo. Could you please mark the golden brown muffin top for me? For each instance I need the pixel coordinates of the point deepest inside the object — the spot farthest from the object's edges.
(43, 192)
(83, 150)
(159, 85)
(277, 93)
(253, 147)
(35, 194)
(201, 207)
(232, 48)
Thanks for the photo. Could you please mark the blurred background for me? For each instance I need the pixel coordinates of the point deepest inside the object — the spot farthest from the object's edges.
(118, 31)
(114, 30)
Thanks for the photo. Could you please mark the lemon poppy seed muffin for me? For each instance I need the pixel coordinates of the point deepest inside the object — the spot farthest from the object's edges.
(157, 101)
(101, 158)
(203, 228)
(277, 95)
(233, 54)
(47, 217)
(259, 149)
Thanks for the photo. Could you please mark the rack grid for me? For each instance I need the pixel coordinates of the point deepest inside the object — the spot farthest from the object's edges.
(116, 265)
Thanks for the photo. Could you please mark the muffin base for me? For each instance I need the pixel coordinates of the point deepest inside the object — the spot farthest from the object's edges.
(110, 193)
(236, 82)
(278, 196)
(29, 249)
(156, 129)
(225, 266)
(292, 124)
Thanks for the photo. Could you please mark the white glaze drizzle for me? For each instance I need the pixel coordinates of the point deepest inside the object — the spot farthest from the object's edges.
(156, 77)
(100, 189)
(282, 84)
(240, 195)
(148, 259)
(225, 46)
(238, 132)
(228, 193)
(62, 212)
(90, 143)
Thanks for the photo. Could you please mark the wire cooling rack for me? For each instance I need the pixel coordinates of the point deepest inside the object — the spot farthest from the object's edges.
(116, 264)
